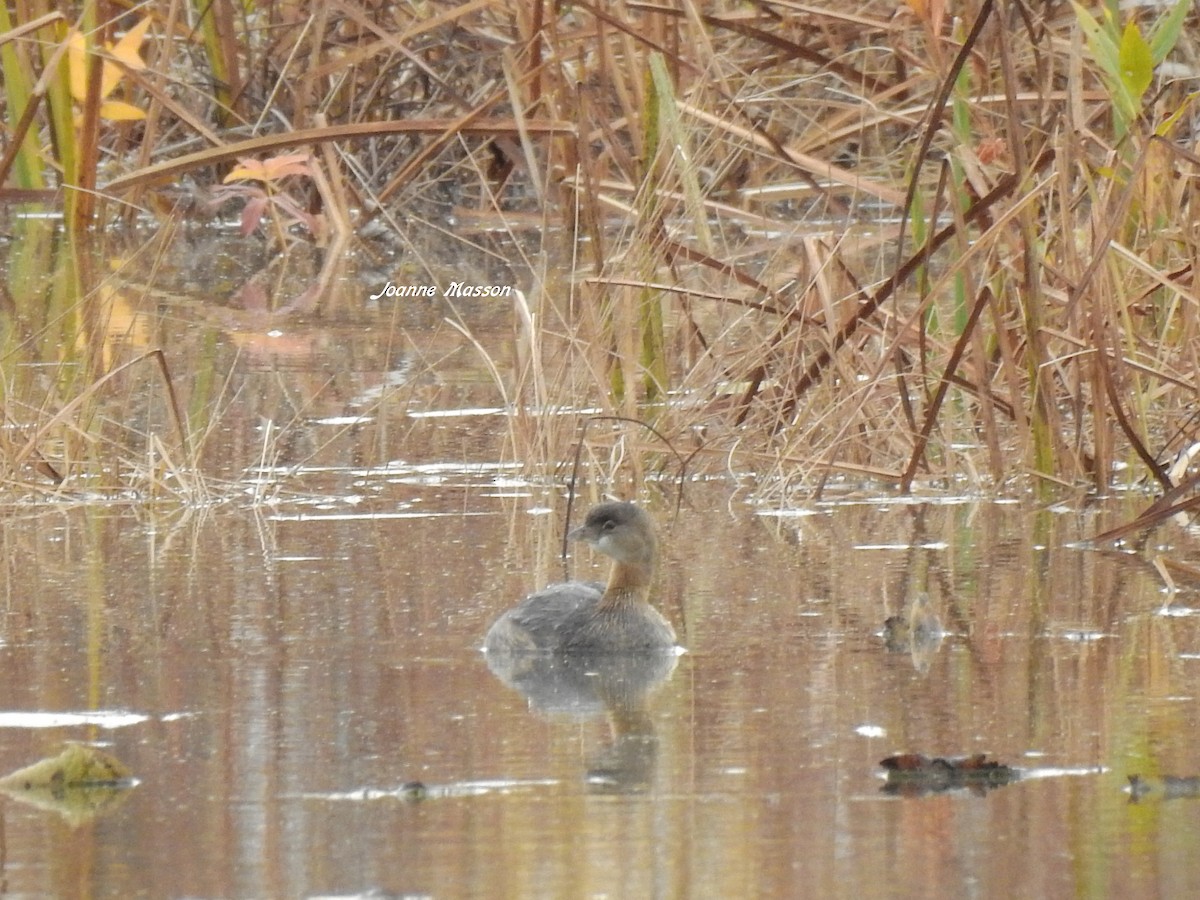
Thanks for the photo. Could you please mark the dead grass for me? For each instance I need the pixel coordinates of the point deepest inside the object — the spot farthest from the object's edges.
(801, 239)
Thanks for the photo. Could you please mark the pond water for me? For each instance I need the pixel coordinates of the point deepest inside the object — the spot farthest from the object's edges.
(294, 677)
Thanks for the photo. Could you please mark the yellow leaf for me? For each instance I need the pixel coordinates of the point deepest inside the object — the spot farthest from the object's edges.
(246, 170)
(77, 65)
(269, 170)
(128, 48)
(119, 111)
(77, 69)
(127, 51)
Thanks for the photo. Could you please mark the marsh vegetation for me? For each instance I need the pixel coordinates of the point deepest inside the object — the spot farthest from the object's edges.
(899, 242)
(312, 312)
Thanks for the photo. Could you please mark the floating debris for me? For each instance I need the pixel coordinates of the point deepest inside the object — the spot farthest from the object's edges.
(77, 766)
(78, 784)
(915, 774)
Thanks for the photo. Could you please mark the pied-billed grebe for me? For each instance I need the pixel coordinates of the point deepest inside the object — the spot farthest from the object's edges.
(587, 617)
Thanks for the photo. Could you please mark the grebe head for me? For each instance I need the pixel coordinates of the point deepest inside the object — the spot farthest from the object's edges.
(621, 531)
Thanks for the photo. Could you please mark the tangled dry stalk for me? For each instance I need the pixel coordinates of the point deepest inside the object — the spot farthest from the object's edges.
(905, 242)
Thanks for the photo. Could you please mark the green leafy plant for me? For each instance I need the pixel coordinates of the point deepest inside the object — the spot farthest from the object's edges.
(1127, 58)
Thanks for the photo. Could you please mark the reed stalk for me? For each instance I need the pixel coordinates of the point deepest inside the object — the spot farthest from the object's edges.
(814, 238)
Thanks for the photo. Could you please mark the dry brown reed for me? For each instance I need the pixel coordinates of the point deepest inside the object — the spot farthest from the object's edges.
(802, 238)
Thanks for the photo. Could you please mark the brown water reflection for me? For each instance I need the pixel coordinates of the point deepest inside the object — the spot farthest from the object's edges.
(300, 664)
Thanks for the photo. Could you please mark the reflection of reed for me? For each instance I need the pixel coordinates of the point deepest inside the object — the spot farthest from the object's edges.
(1168, 787)
(584, 685)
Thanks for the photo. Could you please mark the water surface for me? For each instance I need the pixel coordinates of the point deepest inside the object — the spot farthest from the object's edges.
(287, 654)
(296, 672)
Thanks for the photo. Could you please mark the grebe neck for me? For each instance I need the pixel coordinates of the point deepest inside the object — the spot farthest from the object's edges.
(628, 583)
